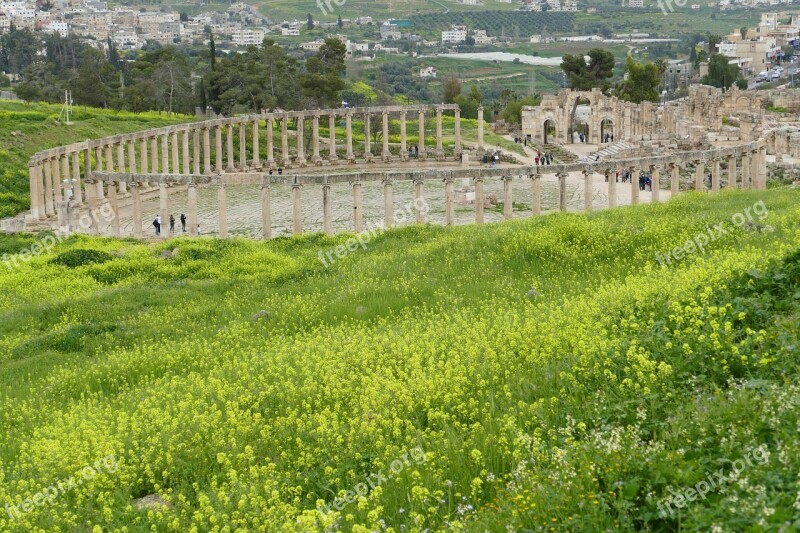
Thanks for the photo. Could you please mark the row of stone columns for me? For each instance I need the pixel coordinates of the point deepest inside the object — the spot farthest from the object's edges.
(749, 161)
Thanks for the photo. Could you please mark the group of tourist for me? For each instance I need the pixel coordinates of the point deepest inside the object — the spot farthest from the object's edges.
(157, 224)
(608, 137)
(413, 152)
(521, 140)
(545, 158)
(645, 179)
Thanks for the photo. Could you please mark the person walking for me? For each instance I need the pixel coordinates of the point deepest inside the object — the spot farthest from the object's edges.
(183, 222)
(172, 224)
(157, 225)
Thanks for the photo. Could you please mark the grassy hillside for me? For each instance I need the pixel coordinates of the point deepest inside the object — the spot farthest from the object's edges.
(248, 384)
(28, 128)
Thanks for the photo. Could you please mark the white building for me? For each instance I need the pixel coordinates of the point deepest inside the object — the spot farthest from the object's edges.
(390, 32)
(427, 72)
(59, 27)
(249, 37)
(481, 37)
(456, 34)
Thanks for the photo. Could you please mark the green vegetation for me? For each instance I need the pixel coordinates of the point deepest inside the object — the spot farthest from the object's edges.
(29, 128)
(515, 24)
(248, 385)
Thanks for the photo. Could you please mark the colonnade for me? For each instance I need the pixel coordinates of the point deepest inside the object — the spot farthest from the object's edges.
(753, 176)
(241, 144)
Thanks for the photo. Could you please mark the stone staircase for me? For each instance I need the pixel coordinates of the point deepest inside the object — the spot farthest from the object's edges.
(612, 150)
(560, 154)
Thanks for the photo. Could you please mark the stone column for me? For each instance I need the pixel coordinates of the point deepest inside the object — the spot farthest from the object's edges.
(655, 172)
(242, 147)
(176, 167)
(387, 155)
(358, 209)
(588, 191)
(98, 158)
(612, 189)
(165, 154)
(91, 200)
(367, 139)
(332, 145)
(229, 147)
(508, 201)
(285, 157)
(137, 209)
(187, 167)
(562, 191)
(762, 168)
(403, 139)
(745, 170)
(76, 173)
(449, 192)
(49, 192)
(143, 158)
(113, 201)
(109, 158)
(34, 184)
(327, 208)
(266, 208)
(297, 213)
(419, 196)
(479, 199)
(131, 163)
(457, 126)
(301, 148)
(315, 158)
(731, 172)
(536, 194)
(422, 153)
(222, 209)
(206, 151)
(163, 207)
(480, 128)
(66, 179)
(715, 175)
(351, 156)
(256, 146)
(218, 155)
(270, 144)
(41, 188)
(699, 175)
(192, 208)
(196, 150)
(154, 155)
(58, 187)
(388, 203)
(674, 179)
(634, 186)
(439, 135)
(120, 157)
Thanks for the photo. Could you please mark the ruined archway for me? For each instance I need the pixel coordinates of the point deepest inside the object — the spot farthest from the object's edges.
(549, 131)
(607, 130)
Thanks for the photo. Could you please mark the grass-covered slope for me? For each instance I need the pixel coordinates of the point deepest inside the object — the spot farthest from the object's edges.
(29, 128)
(248, 385)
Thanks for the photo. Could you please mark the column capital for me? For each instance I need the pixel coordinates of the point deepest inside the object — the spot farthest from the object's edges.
(387, 181)
(265, 182)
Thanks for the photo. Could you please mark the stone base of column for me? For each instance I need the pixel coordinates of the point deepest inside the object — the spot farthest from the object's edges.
(301, 162)
(333, 159)
(440, 155)
(386, 157)
(368, 157)
(404, 156)
(351, 158)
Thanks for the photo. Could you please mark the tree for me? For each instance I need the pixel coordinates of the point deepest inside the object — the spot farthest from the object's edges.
(323, 78)
(184, 17)
(641, 83)
(721, 73)
(339, 22)
(713, 41)
(452, 88)
(309, 22)
(18, 50)
(693, 56)
(595, 74)
(743, 32)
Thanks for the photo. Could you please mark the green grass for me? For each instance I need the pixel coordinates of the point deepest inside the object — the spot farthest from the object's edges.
(29, 128)
(247, 384)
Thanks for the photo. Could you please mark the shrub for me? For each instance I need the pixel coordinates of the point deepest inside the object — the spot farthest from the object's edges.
(77, 258)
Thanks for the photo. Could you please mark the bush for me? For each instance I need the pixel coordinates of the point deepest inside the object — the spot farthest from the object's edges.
(77, 258)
